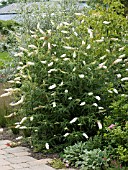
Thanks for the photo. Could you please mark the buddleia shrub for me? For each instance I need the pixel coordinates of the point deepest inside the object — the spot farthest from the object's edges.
(68, 78)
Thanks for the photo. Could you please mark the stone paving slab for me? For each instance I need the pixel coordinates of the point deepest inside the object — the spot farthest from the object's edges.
(19, 158)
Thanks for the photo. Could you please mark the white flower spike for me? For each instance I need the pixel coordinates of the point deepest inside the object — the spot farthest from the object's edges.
(106, 22)
(98, 98)
(99, 124)
(81, 76)
(47, 146)
(82, 103)
(52, 87)
(85, 135)
(17, 103)
(73, 120)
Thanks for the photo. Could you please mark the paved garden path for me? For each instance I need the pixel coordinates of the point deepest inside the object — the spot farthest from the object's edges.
(18, 158)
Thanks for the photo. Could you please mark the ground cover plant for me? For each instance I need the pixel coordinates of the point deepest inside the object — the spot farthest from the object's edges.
(71, 86)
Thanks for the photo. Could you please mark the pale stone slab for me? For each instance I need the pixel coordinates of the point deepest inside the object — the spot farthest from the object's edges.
(39, 162)
(4, 162)
(2, 152)
(22, 154)
(20, 166)
(18, 160)
(42, 167)
(16, 150)
(4, 142)
(6, 168)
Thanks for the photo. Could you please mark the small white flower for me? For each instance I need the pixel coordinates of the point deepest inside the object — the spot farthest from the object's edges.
(75, 33)
(124, 79)
(30, 63)
(74, 54)
(95, 104)
(1, 130)
(64, 32)
(63, 55)
(52, 70)
(83, 42)
(19, 68)
(46, 145)
(100, 108)
(19, 54)
(101, 40)
(81, 76)
(19, 138)
(66, 23)
(118, 75)
(82, 103)
(10, 115)
(84, 63)
(68, 48)
(17, 126)
(107, 50)
(23, 120)
(121, 49)
(43, 62)
(66, 134)
(90, 93)
(66, 59)
(78, 14)
(115, 91)
(103, 57)
(85, 135)
(32, 46)
(70, 98)
(49, 46)
(31, 118)
(52, 86)
(114, 39)
(61, 84)
(90, 31)
(18, 82)
(122, 56)
(98, 98)
(23, 127)
(66, 91)
(106, 22)
(102, 65)
(23, 49)
(88, 47)
(73, 120)
(49, 32)
(99, 124)
(54, 104)
(6, 94)
(17, 103)
(17, 123)
(11, 81)
(17, 79)
(110, 91)
(74, 69)
(50, 64)
(117, 61)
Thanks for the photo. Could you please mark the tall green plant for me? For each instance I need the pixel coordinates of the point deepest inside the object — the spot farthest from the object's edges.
(69, 75)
